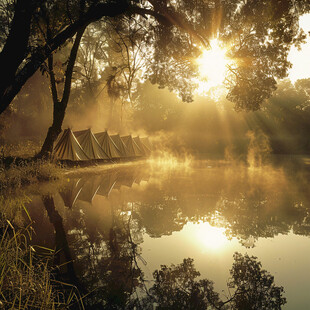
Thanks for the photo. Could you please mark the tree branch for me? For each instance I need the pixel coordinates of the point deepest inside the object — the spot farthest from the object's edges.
(170, 18)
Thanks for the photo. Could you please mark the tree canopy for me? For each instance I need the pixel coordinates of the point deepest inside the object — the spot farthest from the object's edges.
(258, 35)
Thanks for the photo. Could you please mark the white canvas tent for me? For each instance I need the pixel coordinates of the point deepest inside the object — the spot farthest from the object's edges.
(132, 146)
(145, 150)
(68, 148)
(146, 142)
(107, 144)
(90, 144)
(121, 146)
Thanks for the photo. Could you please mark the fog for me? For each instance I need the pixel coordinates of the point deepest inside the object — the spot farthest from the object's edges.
(204, 128)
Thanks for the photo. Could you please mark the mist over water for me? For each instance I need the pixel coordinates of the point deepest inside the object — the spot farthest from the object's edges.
(205, 128)
(212, 212)
(170, 208)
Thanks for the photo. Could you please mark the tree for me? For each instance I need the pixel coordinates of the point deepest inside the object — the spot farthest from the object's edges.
(24, 51)
(253, 286)
(165, 34)
(60, 105)
(261, 34)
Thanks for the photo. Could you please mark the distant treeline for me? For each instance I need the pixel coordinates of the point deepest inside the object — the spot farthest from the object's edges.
(205, 126)
(208, 126)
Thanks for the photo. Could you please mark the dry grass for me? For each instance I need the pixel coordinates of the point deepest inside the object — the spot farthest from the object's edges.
(26, 173)
(23, 149)
(26, 279)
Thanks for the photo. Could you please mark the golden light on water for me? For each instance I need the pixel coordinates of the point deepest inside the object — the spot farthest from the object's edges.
(167, 161)
(210, 237)
(212, 66)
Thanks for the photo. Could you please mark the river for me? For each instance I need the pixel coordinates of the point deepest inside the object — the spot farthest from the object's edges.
(111, 229)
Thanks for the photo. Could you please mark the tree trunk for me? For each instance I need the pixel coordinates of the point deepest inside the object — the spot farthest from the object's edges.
(60, 106)
(61, 242)
(11, 79)
(53, 131)
(15, 49)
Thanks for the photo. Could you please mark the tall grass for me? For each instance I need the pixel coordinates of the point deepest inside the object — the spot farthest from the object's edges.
(23, 149)
(27, 172)
(26, 278)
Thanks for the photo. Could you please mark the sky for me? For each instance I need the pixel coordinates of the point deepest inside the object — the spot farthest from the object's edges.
(301, 59)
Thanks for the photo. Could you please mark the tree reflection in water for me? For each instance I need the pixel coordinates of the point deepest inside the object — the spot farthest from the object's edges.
(117, 281)
(100, 221)
(251, 287)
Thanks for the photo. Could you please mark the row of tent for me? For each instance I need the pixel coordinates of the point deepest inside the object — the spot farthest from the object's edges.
(84, 145)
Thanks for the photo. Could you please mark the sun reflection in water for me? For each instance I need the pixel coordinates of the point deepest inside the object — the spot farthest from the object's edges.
(210, 237)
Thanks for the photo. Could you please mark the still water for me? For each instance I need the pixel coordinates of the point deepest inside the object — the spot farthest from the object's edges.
(111, 229)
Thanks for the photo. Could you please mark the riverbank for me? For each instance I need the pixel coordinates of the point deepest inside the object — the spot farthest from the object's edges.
(25, 172)
(27, 278)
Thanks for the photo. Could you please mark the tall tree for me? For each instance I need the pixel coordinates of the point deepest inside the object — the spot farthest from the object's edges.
(24, 51)
(60, 104)
(261, 33)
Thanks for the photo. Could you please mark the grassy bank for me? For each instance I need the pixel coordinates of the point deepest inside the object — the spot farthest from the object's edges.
(26, 172)
(28, 278)
(19, 167)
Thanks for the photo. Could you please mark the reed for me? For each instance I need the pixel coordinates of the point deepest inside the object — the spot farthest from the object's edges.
(26, 278)
(26, 172)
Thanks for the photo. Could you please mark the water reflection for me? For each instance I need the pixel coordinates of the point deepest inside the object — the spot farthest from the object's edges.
(110, 276)
(101, 221)
(251, 287)
(210, 237)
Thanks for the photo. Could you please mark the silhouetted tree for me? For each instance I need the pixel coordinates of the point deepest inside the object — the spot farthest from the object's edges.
(176, 287)
(260, 33)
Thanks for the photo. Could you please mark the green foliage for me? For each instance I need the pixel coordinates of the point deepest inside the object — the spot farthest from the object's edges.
(261, 34)
(160, 40)
(207, 126)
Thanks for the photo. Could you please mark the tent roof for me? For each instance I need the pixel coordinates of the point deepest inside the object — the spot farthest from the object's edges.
(120, 145)
(146, 142)
(107, 144)
(132, 146)
(107, 183)
(68, 147)
(145, 150)
(90, 144)
(125, 178)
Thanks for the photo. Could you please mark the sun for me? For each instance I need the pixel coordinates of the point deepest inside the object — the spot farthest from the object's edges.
(212, 65)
